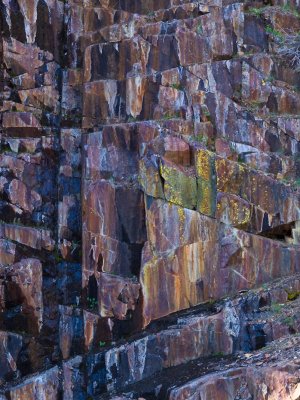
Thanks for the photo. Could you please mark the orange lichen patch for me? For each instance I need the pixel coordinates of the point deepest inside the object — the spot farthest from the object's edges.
(149, 178)
(179, 186)
(230, 176)
(233, 210)
(206, 197)
(205, 170)
(204, 164)
(181, 219)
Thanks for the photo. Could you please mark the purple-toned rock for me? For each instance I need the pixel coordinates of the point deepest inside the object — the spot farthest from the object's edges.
(23, 296)
(70, 331)
(7, 252)
(40, 386)
(149, 165)
(21, 196)
(31, 237)
(10, 345)
(21, 123)
(73, 379)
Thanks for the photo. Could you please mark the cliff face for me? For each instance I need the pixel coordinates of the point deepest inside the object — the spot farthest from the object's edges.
(149, 166)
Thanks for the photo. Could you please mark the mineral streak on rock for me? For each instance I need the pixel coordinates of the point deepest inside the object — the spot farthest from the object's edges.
(149, 186)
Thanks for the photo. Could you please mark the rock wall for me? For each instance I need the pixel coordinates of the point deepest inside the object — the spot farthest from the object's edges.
(149, 163)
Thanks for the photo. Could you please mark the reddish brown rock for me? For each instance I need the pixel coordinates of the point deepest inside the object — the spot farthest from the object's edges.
(7, 252)
(21, 196)
(23, 286)
(198, 48)
(276, 382)
(97, 330)
(20, 58)
(177, 151)
(21, 123)
(112, 153)
(73, 379)
(135, 91)
(46, 96)
(99, 102)
(41, 386)
(70, 331)
(116, 61)
(149, 163)
(111, 296)
(32, 237)
(203, 260)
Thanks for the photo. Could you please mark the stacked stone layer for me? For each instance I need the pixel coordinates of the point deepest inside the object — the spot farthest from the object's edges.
(149, 163)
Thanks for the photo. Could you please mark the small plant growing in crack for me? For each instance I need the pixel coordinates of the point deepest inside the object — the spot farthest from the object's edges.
(132, 119)
(275, 33)
(289, 321)
(270, 79)
(286, 8)
(276, 308)
(92, 303)
(218, 354)
(257, 12)
(176, 86)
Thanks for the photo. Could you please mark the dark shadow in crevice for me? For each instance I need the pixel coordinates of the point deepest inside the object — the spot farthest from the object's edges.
(281, 232)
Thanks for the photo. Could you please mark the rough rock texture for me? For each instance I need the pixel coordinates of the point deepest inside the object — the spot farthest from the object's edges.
(149, 186)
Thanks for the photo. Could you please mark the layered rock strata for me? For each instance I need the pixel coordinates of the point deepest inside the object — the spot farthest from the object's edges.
(149, 165)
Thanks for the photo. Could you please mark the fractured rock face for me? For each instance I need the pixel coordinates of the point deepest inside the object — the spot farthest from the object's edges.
(11, 345)
(195, 259)
(22, 296)
(148, 164)
(44, 386)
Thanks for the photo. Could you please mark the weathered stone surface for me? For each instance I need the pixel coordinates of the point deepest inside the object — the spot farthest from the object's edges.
(7, 252)
(42, 386)
(73, 379)
(70, 331)
(241, 324)
(68, 279)
(19, 195)
(254, 201)
(180, 187)
(118, 296)
(10, 345)
(112, 153)
(106, 61)
(96, 330)
(276, 381)
(190, 340)
(99, 102)
(202, 259)
(108, 220)
(23, 297)
(149, 163)
(21, 123)
(31, 237)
